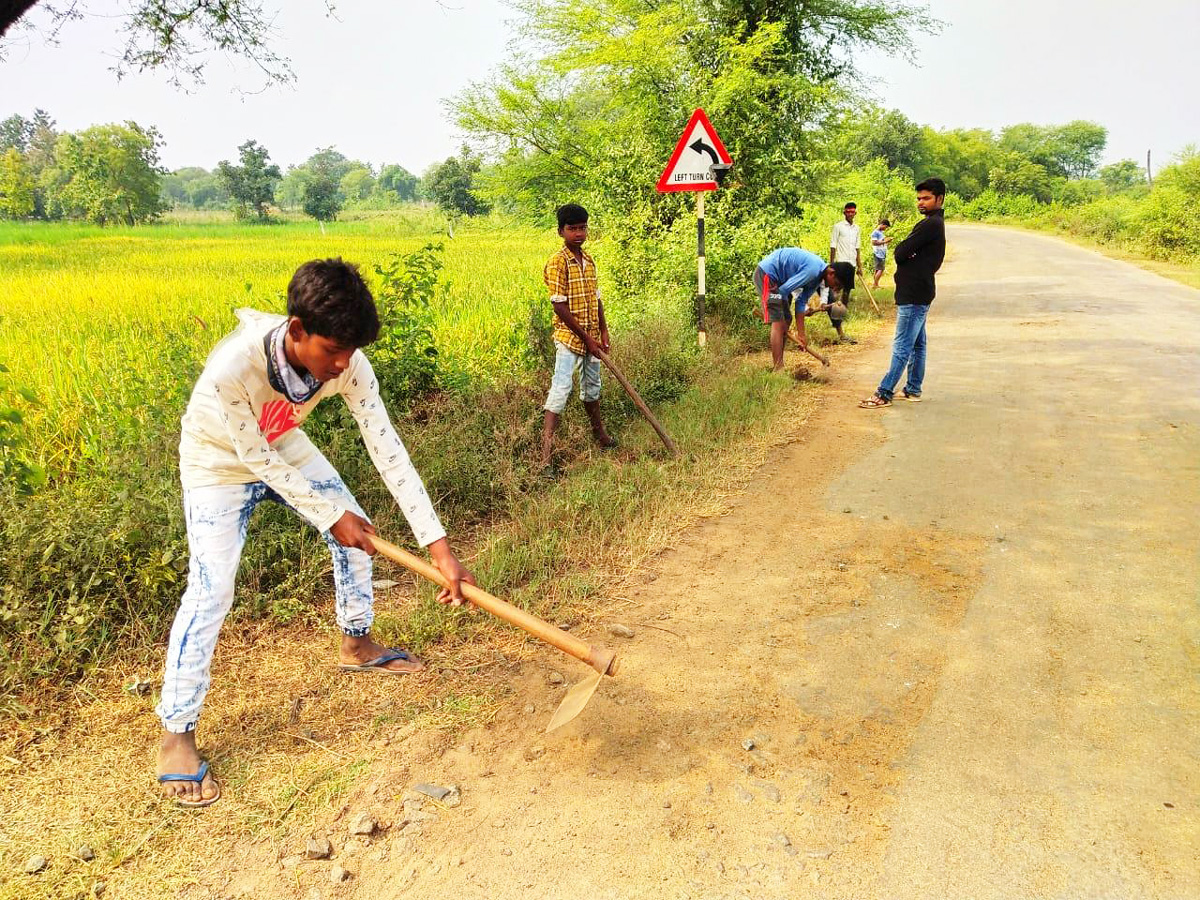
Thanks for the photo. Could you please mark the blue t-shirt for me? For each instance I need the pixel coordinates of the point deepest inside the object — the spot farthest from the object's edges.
(880, 249)
(792, 269)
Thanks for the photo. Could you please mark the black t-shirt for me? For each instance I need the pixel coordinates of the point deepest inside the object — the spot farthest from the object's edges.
(918, 257)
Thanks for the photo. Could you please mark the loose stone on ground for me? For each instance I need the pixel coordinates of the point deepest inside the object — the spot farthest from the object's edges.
(318, 848)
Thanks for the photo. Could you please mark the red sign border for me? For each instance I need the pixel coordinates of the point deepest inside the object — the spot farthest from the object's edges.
(698, 116)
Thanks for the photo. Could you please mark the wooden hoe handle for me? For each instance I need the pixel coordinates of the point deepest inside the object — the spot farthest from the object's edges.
(878, 311)
(639, 403)
(809, 350)
(603, 661)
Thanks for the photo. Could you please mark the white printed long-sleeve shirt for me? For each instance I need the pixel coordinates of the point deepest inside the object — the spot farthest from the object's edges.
(238, 430)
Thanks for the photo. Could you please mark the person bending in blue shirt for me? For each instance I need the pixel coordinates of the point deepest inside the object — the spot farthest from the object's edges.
(791, 271)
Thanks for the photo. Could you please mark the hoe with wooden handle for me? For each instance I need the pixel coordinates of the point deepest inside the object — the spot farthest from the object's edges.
(639, 403)
(870, 295)
(604, 661)
(824, 360)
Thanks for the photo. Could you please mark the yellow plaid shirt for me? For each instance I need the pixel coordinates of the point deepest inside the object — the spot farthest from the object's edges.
(574, 284)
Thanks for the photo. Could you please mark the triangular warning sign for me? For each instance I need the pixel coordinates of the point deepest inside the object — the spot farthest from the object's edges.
(690, 165)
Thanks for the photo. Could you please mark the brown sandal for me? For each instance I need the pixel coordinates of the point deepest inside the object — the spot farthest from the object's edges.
(875, 402)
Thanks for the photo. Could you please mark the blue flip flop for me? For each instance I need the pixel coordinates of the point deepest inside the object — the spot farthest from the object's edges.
(198, 778)
(377, 664)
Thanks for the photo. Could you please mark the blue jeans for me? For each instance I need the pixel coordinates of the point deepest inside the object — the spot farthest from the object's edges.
(908, 349)
(217, 520)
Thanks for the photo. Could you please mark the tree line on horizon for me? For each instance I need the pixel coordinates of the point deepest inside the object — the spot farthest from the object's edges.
(110, 174)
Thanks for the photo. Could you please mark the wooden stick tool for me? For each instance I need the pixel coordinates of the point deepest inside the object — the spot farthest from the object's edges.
(824, 360)
(603, 661)
(870, 295)
(638, 402)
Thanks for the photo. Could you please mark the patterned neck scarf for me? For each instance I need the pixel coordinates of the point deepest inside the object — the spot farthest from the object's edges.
(296, 387)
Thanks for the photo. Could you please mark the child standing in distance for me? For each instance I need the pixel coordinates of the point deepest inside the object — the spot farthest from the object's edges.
(580, 332)
(241, 443)
(879, 242)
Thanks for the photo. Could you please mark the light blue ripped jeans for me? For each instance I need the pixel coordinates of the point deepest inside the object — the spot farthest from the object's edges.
(217, 518)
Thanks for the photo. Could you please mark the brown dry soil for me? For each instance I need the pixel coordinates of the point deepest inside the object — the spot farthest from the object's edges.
(942, 650)
(946, 649)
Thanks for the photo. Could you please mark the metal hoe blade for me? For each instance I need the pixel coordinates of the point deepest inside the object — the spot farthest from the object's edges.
(574, 702)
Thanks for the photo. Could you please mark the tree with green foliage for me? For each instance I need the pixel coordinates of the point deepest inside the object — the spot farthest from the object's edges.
(1077, 147)
(321, 198)
(289, 194)
(1018, 175)
(15, 132)
(109, 173)
(250, 185)
(885, 134)
(195, 187)
(597, 115)
(16, 186)
(34, 139)
(1070, 150)
(962, 157)
(451, 184)
(1124, 175)
(357, 184)
(332, 163)
(398, 180)
(174, 36)
(820, 37)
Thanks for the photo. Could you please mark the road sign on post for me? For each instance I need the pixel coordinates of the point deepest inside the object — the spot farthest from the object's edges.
(698, 151)
(699, 163)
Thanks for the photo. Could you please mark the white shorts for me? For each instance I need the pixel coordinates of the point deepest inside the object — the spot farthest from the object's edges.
(568, 364)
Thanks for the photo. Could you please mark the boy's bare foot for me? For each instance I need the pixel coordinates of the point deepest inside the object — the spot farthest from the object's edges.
(358, 651)
(177, 755)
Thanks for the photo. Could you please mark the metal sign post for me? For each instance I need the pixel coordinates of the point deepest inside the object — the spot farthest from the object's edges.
(699, 163)
(701, 333)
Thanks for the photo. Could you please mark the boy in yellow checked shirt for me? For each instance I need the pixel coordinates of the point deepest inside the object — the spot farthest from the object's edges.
(580, 332)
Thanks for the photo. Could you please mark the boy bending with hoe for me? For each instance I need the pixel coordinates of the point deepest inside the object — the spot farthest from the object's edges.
(788, 272)
(580, 332)
(241, 443)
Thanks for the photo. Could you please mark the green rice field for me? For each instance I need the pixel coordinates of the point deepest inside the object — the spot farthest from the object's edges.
(96, 321)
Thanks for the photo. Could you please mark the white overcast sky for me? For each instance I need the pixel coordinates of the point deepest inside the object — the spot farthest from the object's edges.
(371, 79)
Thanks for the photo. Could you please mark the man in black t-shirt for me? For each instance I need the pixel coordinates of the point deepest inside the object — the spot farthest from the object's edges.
(917, 257)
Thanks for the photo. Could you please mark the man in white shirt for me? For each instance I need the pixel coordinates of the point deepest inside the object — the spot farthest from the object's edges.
(240, 444)
(844, 247)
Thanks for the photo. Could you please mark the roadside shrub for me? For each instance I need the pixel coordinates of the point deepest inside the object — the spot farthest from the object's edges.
(405, 355)
(991, 204)
(1166, 223)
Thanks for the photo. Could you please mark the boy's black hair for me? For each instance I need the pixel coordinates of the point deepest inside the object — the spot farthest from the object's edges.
(850, 205)
(331, 299)
(885, 222)
(935, 186)
(571, 214)
(845, 274)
